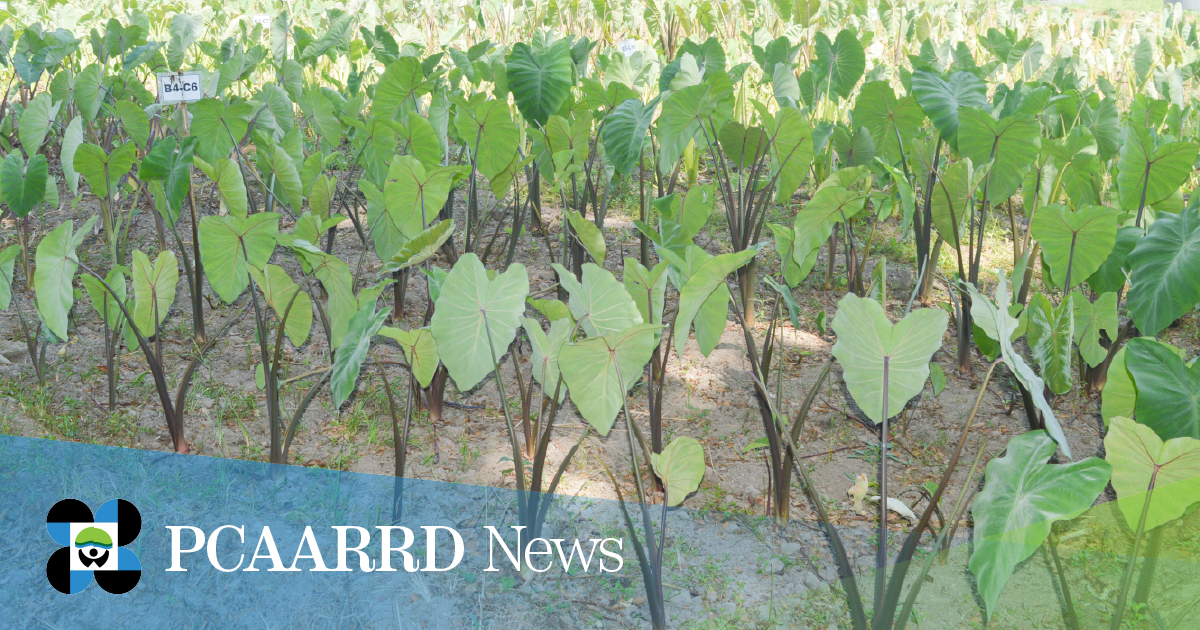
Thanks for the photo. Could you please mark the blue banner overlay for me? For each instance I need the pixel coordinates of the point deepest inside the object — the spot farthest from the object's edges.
(144, 539)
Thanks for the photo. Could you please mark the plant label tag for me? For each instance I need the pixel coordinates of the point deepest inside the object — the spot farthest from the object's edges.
(263, 19)
(180, 87)
(628, 47)
(3, 6)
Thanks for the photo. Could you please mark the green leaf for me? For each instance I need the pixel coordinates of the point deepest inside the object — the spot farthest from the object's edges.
(680, 465)
(352, 351)
(695, 303)
(546, 350)
(599, 303)
(791, 152)
(24, 185)
(287, 178)
(889, 120)
(174, 171)
(1165, 281)
(1110, 277)
(72, 139)
(103, 170)
(853, 150)
(227, 175)
(1147, 174)
(994, 318)
(228, 244)
(941, 100)
(185, 29)
(8, 259)
(937, 376)
(491, 126)
(1022, 498)
(1142, 462)
(1090, 319)
(552, 309)
(1168, 391)
(420, 349)
(744, 147)
(624, 132)
(841, 62)
(412, 196)
(133, 118)
(35, 122)
(335, 277)
(153, 289)
(1010, 144)
(98, 294)
(1075, 243)
(56, 267)
(648, 287)
(877, 356)
(278, 288)
(951, 202)
(814, 223)
(88, 96)
(1051, 330)
(588, 234)
(595, 370)
(219, 126)
(399, 83)
(421, 248)
(680, 122)
(786, 293)
(471, 311)
(540, 81)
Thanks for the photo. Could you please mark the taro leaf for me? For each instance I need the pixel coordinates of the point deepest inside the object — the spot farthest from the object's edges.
(589, 235)
(54, 272)
(1148, 175)
(219, 127)
(1120, 394)
(88, 95)
(784, 244)
(135, 122)
(1022, 497)
(185, 29)
(840, 63)
(491, 126)
(1168, 391)
(872, 349)
(153, 289)
(72, 139)
(545, 352)
(287, 178)
(742, 146)
(1010, 144)
(1110, 277)
(1090, 319)
(353, 351)
(624, 132)
(599, 303)
(681, 467)
(7, 261)
(648, 287)
(1141, 462)
(420, 349)
(791, 152)
(995, 319)
(786, 293)
(785, 85)
(103, 170)
(24, 186)
(552, 309)
(228, 244)
(953, 194)
(98, 295)
(1051, 331)
(1166, 271)
(162, 164)
(473, 311)
(683, 113)
(595, 369)
(421, 248)
(814, 223)
(227, 175)
(399, 83)
(540, 80)
(1075, 243)
(853, 150)
(889, 120)
(937, 377)
(335, 277)
(694, 303)
(278, 288)
(941, 100)
(35, 122)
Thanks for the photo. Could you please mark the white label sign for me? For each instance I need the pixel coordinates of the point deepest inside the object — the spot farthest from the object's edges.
(180, 87)
(3, 6)
(263, 19)
(628, 47)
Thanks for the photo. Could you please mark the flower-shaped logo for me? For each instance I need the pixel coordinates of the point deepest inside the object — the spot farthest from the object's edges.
(93, 546)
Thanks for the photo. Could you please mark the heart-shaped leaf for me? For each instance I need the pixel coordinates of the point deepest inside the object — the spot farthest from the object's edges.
(1010, 144)
(695, 302)
(791, 151)
(680, 465)
(814, 223)
(648, 287)
(1022, 497)
(476, 318)
(227, 175)
(624, 132)
(1050, 333)
(889, 120)
(421, 248)
(1168, 390)
(352, 351)
(546, 351)
(103, 170)
(153, 289)
(1075, 244)
(278, 289)
(228, 244)
(1090, 318)
(941, 100)
(1147, 174)
(1143, 462)
(24, 185)
(35, 122)
(54, 272)
(420, 349)
(219, 127)
(840, 62)
(599, 303)
(595, 370)
(1165, 282)
(540, 81)
(877, 356)
(589, 235)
